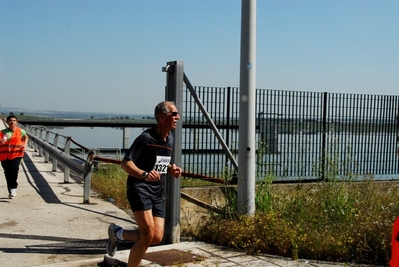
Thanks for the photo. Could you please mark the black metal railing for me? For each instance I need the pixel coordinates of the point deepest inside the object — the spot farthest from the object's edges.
(300, 135)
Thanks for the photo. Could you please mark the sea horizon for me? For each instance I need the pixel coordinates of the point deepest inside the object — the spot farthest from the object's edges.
(5, 111)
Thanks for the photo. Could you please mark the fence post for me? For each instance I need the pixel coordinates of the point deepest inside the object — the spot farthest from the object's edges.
(324, 138)
(125, 138)
(174, 92)
(228, 119)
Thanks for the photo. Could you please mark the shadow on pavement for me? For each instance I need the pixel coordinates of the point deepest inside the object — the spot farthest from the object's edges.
(61, 245)
(42, 187)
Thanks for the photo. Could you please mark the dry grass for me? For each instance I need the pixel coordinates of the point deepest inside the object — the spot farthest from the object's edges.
(336, 221)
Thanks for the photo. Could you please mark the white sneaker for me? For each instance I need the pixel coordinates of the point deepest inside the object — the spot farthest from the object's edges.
(13, 193)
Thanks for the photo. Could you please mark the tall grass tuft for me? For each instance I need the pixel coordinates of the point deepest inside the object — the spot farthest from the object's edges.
(109, 181)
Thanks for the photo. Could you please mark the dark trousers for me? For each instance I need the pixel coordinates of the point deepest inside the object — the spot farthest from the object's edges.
(11, 168)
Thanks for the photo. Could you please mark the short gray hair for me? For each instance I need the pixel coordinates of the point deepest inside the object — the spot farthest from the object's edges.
(163, 108)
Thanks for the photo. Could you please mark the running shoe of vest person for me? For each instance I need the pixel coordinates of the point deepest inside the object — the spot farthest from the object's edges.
(13, 193)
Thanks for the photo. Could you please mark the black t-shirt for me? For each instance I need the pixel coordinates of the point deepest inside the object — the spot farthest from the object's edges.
(150, 152)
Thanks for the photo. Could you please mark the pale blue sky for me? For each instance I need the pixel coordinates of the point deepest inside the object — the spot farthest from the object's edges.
(107, 56)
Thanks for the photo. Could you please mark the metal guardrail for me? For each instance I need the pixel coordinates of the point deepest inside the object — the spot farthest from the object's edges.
(57, 147)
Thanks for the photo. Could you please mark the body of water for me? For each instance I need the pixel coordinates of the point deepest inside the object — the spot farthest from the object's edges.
(99, 137)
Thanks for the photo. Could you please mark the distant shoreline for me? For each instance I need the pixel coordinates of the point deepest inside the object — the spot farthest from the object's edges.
(5, 111)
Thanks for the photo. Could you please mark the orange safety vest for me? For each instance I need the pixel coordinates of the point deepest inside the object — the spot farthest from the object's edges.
(394, 261)
(12, 148)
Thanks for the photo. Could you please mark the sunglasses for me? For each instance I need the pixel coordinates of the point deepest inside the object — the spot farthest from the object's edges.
(174, 113)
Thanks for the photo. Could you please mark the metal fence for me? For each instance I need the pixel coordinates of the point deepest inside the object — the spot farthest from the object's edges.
(300, 135)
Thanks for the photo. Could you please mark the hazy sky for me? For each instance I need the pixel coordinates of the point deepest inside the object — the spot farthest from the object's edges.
(107, 56)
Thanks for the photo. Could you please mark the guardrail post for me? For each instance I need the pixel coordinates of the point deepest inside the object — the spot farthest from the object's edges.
(55, 162)
(29, 130)
(87, 185)
(66, 169)
(46, 154)
(40, 149)
(35, 134)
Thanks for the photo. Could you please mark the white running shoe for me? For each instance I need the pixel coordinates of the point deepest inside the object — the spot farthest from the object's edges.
(13, 193)
(113, 241)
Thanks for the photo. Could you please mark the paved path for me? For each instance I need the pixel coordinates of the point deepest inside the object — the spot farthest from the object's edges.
(47, 224)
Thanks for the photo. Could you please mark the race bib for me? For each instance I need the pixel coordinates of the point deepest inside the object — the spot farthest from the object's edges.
(161, 165)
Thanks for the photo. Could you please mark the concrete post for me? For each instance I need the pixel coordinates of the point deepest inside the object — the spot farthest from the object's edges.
(247, 121)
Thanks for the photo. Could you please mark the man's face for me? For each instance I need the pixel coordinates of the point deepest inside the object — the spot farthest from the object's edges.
(170, 119)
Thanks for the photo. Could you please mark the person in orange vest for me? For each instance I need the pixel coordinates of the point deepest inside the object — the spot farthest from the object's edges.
(13, 141)
(394, 261)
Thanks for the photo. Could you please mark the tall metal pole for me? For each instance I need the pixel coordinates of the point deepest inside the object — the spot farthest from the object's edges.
(246, 149)
(174, 92)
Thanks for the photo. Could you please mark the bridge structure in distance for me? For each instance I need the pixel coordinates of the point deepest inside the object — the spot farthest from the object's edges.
(88, 122)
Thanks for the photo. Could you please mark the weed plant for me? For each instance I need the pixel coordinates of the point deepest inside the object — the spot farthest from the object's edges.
(109, 181)
(334, 221)
(339, 221)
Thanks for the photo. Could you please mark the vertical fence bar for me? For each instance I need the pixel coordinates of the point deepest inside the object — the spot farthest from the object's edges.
(370, 128)
(391, 128)
(378, 133)
(227, 120)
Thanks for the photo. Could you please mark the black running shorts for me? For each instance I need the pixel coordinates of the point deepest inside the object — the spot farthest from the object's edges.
(141, 201)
